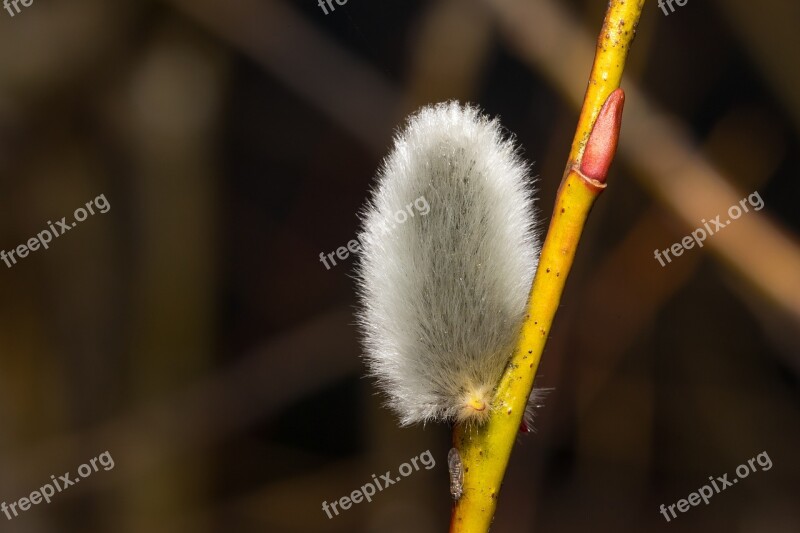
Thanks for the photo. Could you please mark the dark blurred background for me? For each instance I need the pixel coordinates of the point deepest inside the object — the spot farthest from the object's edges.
(192, 332)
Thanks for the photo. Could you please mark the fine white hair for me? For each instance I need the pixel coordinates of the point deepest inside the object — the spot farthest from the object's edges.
(443, 294)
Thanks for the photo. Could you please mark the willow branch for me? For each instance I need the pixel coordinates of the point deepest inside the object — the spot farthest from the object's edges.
(485, 450)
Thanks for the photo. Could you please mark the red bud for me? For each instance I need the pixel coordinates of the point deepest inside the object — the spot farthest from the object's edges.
(602, 143)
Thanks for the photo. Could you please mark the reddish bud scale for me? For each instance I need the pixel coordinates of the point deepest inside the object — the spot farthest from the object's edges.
(602, 143)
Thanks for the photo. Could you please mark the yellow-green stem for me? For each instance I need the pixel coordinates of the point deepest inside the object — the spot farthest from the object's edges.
(485, 450)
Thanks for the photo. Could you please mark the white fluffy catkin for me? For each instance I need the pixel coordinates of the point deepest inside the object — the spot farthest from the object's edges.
(444, 294)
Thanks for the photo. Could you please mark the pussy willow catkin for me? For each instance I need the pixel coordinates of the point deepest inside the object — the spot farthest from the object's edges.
(443, 294)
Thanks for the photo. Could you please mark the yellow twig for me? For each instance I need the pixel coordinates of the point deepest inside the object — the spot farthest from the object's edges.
(613, 43)
(485, 450)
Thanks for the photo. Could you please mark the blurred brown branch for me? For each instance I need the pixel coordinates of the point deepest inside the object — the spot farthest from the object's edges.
(661, 151)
